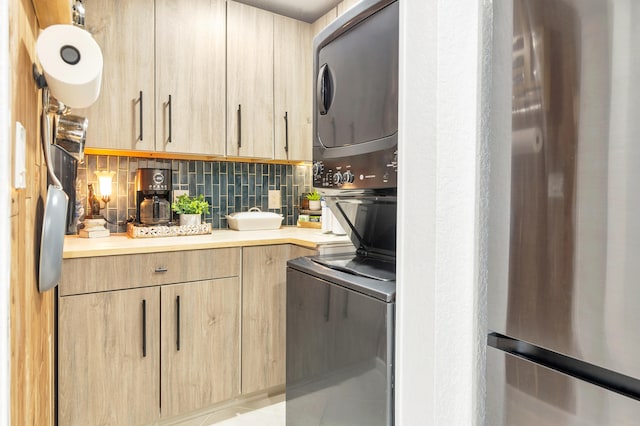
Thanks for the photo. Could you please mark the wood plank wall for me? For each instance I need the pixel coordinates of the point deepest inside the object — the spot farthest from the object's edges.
(32, 313)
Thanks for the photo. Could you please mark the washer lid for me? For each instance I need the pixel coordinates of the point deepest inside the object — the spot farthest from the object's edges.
(341, 272)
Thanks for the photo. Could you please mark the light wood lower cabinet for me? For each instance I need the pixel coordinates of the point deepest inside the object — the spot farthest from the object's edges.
(109, 358)
(200, 344)
(134, 356)
(264, 299)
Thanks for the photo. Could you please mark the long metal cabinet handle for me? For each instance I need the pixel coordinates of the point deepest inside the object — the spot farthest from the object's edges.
(141, 121)
(323, 90)
(169, 105)
(286, 131)
(239, 126)
(144, 328)
(177, 323)
(160, 269)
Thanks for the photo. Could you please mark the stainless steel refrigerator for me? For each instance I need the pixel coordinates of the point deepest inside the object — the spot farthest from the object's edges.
(564, 317)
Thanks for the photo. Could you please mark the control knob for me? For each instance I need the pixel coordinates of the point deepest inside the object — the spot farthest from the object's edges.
(337, 178)
(348, 177)
(318, 168)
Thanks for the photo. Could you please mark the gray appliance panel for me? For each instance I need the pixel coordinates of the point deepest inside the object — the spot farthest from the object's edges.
(355, 97)
(339, 355)
(522, 393)
(362, 78)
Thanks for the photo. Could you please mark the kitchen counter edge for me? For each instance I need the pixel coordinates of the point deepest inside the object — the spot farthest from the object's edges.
(121, 244)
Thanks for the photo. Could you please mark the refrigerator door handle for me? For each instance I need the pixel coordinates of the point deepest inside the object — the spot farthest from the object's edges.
(608, 379)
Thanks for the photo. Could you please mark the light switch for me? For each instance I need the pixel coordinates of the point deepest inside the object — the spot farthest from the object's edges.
(275, 199)
(555, 185)
(20, 158)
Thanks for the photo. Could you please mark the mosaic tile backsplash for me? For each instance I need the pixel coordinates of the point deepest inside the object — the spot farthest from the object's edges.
(228, 186)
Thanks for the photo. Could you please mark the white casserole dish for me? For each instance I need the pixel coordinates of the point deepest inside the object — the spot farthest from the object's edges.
(254, 220)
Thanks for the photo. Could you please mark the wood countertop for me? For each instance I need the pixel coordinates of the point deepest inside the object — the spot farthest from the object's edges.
(117, 244)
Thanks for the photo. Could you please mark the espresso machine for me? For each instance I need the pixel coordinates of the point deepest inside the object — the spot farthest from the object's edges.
(153, 196)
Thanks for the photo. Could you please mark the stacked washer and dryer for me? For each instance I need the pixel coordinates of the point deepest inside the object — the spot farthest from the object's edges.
(341, 307)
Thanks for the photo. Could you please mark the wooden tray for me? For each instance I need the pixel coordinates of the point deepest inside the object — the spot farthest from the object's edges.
(134, 231)
(316, 225)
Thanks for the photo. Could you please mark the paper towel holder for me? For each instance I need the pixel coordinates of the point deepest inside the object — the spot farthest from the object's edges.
(49, 103)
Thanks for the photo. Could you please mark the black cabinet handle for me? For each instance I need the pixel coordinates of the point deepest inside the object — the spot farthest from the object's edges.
(239, 126)
(161, 269)
(324, 91)
(177, 323)
(141, 121)
(144, 328)
(286, 131)
(169, 105)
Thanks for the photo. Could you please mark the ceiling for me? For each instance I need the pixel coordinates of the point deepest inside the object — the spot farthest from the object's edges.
(303, 10)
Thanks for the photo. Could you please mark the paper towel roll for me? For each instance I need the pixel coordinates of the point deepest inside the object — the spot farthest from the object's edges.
(526, 141)
(72, 64)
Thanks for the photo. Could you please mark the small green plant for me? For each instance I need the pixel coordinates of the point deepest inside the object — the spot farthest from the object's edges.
(186, 204)
(313, 196)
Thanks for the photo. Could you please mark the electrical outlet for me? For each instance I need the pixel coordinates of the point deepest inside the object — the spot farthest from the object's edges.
(179, 192)
(275, 199)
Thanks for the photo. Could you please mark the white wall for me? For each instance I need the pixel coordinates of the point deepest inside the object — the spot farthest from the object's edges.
(5, 207)
(441, 293)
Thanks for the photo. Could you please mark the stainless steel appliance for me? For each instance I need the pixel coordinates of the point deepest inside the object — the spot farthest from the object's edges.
(153, 195)
(340, 334)
(564, 341)
(341, 308)
(355, 120)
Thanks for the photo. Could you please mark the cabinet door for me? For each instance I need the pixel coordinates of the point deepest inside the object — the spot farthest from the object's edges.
(200, 344)
(264, 301)
(249, 81)
(323, 21)
(292, 88)
(122, 117)
(109, 358)
(190, 68)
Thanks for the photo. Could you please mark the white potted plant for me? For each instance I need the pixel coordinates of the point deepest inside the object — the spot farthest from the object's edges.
(314, 200)
(190, 209)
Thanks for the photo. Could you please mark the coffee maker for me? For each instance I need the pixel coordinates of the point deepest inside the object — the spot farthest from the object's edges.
(153, 196)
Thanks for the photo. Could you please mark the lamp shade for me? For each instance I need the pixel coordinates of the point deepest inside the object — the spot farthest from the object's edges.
(104, 182)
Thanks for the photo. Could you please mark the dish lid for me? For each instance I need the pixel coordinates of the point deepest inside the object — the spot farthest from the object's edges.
(254, 212)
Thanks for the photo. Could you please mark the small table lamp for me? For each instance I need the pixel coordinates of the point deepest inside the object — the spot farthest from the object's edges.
(94, 224)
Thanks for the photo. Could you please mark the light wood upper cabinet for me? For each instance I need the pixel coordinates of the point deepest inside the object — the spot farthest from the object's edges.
(345, 5)
(323, 21)
(190, 67)
(123, 115)
(292, 89)
(109, 358)
(249, 81)
(206, 77)
(200, 344)
(264, 302)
